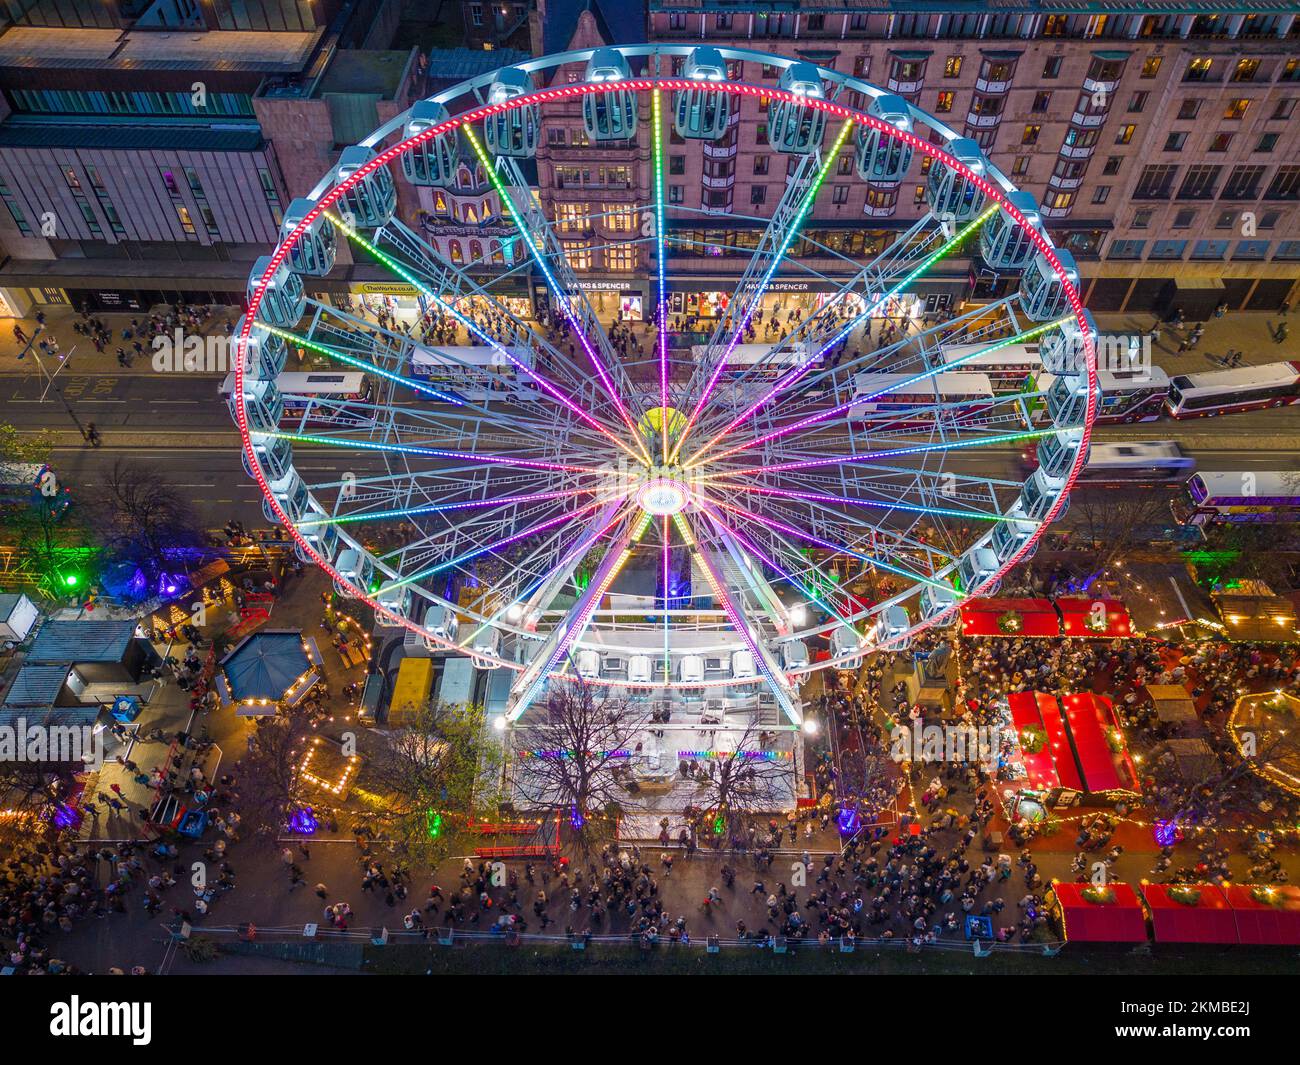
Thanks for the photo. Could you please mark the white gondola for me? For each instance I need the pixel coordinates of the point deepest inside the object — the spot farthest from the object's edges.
(587, 662)
(846, 641)
(442, 622)
(323, 539)
(1067, 400)
(433, 161)
(935, 599)
(794, 654)
(977, 566)
(1058, 453)
(1011, 535)
(395, 597)
(515, 132)
(891, 629)
(264, 352)
(283, 300)
(274, 456)
(356, 567)
(486, 646)
(1040, 494)
(742, 665)
(1004, 243)
(638, 669)
(263, 403)
(690, 669)
(794, 127)
(702, 113)
(950, 193)
(291, 494)
(882, 159)
(609, 116)
(1043, 295)
(314, 251)
(371, 201)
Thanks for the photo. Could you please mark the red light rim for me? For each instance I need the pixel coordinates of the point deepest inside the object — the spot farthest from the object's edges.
(395, 151)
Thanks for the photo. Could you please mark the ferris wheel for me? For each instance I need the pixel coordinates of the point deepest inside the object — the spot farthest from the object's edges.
(708, 499)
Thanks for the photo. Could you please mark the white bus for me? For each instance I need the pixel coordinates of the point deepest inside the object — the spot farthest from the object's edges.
(1247, 388)
(745, 358)
(470, 372)
(1240, 496)
(973, 390)
(301, 389)
(1131, 462)
(1125, 397)
(1007, 368)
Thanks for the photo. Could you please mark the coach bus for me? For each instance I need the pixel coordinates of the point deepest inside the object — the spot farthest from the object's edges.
(873, 398)
(1131, 462)
(471, 372)
(1275, 384)
(1240, 496)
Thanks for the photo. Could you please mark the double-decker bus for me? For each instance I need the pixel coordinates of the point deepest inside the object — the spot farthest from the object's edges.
(1197, 395)
(470, 372)
(301, 391)
(1008, 369)
(1131, 462)
(1125, 397)
(1240, 496)
(879, 395)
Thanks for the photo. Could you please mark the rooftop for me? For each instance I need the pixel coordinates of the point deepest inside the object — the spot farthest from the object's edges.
(36, 686)
(82, 641)
(269, 53)
(45, 131)
(366, 72)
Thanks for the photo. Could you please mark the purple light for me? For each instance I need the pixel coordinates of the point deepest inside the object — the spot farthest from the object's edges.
(849, 821)
(1166, 832)
(303, 821)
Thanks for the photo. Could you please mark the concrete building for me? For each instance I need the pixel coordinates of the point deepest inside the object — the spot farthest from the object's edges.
(147, 151)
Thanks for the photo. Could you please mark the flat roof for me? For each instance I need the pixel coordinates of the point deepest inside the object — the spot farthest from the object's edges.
(193, 50)
(364, 71)
(82, 641)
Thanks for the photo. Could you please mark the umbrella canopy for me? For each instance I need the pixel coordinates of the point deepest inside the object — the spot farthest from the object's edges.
(266, 665)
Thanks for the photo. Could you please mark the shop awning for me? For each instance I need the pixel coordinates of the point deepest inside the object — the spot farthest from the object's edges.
(1009, 617)
(1265, 915)
(1058, 742)
(1077, 618)
(1099, 743)
(1120, 919)
(1040, 769)
(1201, 915)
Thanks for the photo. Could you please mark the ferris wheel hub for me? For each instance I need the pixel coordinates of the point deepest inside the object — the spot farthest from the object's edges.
(664, 491)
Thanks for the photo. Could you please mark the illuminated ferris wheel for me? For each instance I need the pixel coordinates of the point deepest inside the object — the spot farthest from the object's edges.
(752, 495)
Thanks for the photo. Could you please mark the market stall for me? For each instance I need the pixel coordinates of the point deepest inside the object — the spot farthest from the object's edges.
(1102, 619)
(1009, 617)
(1104, 759)
(1265, 914)
(1172, 703)
(1090, 914)
(1190, 913)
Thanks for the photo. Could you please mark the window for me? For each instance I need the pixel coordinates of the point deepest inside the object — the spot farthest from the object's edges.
(1209, 249)
(944, 103)
(1183, 219)
(476, 14)
(1250, 249)
(1245, 70)
(1126, 249)
(187, 223)
(1151, 66)
(557, 136)
(816, 23)
(1220, 142)
(1291, 72)
(1168, 249)
(1056, 26)
(1052, 68)
(676, 20)
(1287, 249)
(918, 196)
(761, 163)
(677, 164)
(619, 218)
(1125, 134)
(578, 254)
(1030, 136)
(1269, 219)
(1190, 106)
(844, 166)
(1236, 109)
(1060, 201)
(676, 193)
(1226, 220)
(1021, 166)
(1142, 218)
(620, 257)
(861, 65)
(1156, 182)
(952, 67)
(1138, 102)
(1200, 182)
(1112, 165)
(1267, 142)
(1101, 194)
(840, 194)
(1283, 110)
(1198, 69)
(758, 194)
(1243, 183)
(722, 21)
(1042, 101)
(1285, 184)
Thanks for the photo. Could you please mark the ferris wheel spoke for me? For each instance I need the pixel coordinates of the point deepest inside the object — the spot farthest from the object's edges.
(550, 259)
(787, 220)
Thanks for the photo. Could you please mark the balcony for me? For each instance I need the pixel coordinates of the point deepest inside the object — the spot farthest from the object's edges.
(1063, 184)
(717, 182)
(982, 121)
(993, 87)
(1089, 119)
(1054, 212)
(1077, 151)
(1106, 88)
(905, 88)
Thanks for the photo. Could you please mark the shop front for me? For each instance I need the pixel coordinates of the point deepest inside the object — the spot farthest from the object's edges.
(613, 299)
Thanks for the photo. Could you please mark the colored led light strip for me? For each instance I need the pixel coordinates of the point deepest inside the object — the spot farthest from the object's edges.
(871, 456)
(412, 449)
(496, 545)
(753, 302)
(562, 297)
(661, 241)
(360, 364)
(667, 568)
(737, 619)
(818, 497)
(780, 526)
(434, 508)
(791, 378)
(580, 623)
(473, 327)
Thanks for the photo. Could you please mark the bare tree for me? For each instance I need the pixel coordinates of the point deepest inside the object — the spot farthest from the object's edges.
(272, 787)
(431, 775)
(576, 759)
(736, 786)
(1111, 523)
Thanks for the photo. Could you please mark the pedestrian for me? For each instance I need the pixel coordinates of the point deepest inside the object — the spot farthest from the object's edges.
(322, 891)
